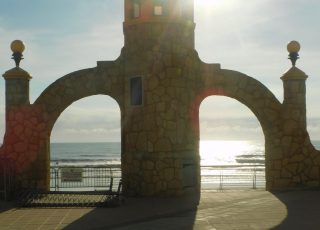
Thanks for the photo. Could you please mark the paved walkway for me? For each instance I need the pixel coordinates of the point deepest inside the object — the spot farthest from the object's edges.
(217, 210)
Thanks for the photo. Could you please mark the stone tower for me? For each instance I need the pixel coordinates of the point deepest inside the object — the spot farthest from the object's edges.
(159, 25)
(159, 145)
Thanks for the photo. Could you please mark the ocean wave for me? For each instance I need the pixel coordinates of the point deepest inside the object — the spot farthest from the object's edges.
(83, 160)
(250, 156)
(251, 161)
(93, 155)
(86, 162)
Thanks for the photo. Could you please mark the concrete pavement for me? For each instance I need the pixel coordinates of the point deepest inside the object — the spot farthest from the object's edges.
(217, 210)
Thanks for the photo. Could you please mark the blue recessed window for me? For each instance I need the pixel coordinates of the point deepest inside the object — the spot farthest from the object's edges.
(136, 91)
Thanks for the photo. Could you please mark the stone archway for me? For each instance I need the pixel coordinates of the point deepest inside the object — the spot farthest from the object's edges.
(231, 147)
(73, 87)
(59, 96)
(86, 138)
(255, 96)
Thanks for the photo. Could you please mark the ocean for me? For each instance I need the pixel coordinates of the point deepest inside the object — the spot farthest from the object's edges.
(212, 152)
(86, 154)
(225, 164)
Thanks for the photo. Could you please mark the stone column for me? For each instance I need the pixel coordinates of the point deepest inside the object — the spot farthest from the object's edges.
(17, 88)
(298, 168)
(294, 101)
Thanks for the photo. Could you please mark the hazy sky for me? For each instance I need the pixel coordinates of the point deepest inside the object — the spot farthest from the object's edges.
(249, 36)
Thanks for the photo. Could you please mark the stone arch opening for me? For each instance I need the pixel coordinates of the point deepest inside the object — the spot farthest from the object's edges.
(59, 96)
(86, 137)
(231, 148)
(256, 97)
(221, 111)
(99, 115)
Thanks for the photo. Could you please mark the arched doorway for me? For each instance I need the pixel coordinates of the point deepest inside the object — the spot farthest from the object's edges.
(232, 153)
(85, 146)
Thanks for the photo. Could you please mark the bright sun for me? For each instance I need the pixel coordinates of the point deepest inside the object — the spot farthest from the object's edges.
(209, 3)
(207, 7)
(214, 5)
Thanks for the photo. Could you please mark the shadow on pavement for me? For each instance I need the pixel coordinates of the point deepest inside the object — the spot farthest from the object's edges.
(303, 209)
(141, 213)
(6, 205)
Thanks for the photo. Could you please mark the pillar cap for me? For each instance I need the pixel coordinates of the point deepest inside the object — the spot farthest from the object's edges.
(16, 73)
(294, 73)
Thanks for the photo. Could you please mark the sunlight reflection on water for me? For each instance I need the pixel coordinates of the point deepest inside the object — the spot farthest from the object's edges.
(224, 152)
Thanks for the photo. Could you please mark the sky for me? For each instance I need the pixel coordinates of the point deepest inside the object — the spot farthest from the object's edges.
(249, 36)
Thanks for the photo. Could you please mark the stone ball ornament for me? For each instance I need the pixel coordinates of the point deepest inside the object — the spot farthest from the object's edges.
(17, 46)
(293, 47)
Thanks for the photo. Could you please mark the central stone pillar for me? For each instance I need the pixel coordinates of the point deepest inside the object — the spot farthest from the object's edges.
(160, 143)
(161, 147)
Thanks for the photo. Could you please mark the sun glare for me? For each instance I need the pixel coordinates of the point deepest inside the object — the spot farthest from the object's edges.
(210, 3)
(216, 152)
(208, 7)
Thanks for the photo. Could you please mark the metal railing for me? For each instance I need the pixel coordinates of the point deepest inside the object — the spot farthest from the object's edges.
(99, 178)
(233, 177)
(100, 186)
(84, 178)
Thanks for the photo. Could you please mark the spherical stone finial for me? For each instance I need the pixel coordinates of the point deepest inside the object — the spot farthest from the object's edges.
(17, 46)
(293, 47)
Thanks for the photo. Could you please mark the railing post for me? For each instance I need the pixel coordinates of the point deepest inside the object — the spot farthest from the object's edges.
(111, 179)
(221, 180)
(4, 184)
(56, 178)
(254, 183)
